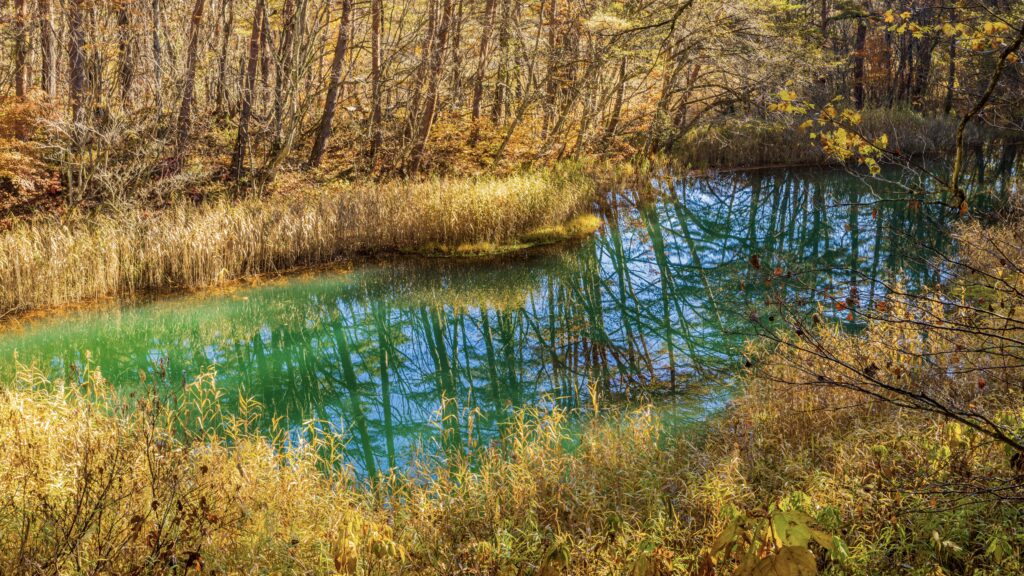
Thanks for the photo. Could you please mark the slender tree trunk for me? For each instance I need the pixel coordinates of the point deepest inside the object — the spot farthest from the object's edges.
(947, 105)
(337, 63)
(376, 30)
(76, 60)
(46, 44)
(188, 95)
(157, 55)
(125, 54)
(456, 50)
(922, 71)
(227, 23)
(823, 19)
(422, 76)
(682, 119)
(21, 48)
(620, 96)
(481, 66)
(265, 58)
(284, 66)
(858, 63)
(248, 89)
(551, 92)
(426, 118)
(501, 85)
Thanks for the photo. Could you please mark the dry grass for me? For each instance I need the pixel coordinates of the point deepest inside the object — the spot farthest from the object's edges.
(48, 263)
(127, 490)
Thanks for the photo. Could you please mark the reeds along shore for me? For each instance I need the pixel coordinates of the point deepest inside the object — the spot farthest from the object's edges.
(46, 263)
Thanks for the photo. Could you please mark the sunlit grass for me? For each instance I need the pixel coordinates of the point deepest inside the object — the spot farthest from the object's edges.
(48, 263)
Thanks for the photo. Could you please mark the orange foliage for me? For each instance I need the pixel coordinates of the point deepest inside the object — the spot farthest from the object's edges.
(22, 169)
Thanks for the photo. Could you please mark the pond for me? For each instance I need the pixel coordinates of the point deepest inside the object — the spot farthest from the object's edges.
(441, 352)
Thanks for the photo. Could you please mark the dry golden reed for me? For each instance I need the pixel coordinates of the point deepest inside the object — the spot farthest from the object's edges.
(49, 263)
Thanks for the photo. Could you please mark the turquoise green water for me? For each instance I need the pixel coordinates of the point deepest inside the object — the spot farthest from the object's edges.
(442, 352)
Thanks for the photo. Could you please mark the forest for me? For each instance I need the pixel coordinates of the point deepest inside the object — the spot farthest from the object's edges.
(703, 287)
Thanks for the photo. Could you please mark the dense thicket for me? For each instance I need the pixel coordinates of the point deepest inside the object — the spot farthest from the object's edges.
(133, 91)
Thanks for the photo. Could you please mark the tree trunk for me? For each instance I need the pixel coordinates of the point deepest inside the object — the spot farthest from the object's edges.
(552, 72)
(284, 67)
(46, 44)
(481, 66)
(21, 49)
(222, 62)
(248, 88)
(265, 58)
(337, 63)
(947, 105)
(426, 117)
(919, 89)
(620, 95)
(125, 53)
(376, 29)
(157, 56)
(188, 95)
(858, 63)
(76, 60)
(456, 50)
(501, 85)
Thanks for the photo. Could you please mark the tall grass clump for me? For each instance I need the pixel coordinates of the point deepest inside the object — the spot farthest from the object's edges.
(91, 483)
(48, 263)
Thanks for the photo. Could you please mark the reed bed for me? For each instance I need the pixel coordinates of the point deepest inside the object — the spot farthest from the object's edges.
(48, 263)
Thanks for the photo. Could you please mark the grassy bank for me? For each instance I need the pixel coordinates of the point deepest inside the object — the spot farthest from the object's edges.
(48, 263)
(799, 472)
